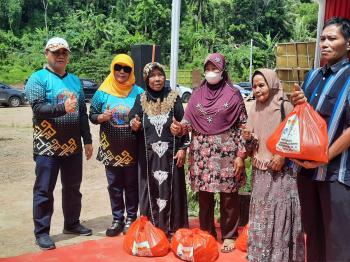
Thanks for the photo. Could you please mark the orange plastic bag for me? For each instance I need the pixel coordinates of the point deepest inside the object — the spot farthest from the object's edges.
(194, 245)
(145, 240)
(242, 240)
(302, 135)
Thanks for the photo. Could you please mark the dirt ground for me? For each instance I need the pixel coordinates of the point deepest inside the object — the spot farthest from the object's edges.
(16, 184)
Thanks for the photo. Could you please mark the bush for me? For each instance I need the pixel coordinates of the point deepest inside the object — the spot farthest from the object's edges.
(192, 197)
(248, 170)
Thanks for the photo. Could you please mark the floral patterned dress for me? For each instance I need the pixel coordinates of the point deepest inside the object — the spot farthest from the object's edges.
(211, 159)
(275, 228)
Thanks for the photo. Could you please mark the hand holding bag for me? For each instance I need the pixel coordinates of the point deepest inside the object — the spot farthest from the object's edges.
(302, 135)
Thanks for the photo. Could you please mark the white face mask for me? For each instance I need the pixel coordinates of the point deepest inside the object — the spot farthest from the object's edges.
(213, 77)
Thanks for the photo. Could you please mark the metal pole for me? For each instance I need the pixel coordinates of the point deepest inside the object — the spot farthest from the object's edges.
(320, 23)
(175, 29)
(251, 61)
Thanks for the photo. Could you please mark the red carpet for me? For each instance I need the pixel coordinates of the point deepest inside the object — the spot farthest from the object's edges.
(107, 249)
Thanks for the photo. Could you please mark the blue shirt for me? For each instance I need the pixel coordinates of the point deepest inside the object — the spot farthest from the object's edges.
(328, 91)
(118, 145)
(55, 131)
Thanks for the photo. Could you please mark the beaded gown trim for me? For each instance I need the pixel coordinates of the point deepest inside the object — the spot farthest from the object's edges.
(156, 108)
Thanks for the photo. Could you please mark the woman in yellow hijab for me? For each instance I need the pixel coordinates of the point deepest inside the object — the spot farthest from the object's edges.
(121, 79)
(110, 107)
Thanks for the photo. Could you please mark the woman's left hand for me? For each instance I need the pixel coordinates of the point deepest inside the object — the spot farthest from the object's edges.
(246, 133)
(180, 156)
(277, 163)
(135, 123)
(176, 127)
(238, 166)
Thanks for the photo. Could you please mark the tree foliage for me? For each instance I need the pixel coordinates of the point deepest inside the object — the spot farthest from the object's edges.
(99, 29)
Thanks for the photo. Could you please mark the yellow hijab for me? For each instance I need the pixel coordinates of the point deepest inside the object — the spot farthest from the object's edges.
(111, 86)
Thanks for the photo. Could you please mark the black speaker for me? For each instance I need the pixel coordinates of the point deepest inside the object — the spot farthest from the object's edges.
(142, 55)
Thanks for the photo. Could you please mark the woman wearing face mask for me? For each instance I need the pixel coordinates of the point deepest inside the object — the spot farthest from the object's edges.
(215, 114)
(110, 107)
(161, 175)
(275, 231)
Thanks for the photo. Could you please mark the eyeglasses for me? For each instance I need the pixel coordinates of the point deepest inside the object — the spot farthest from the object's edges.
(59, 53)
(126, 69)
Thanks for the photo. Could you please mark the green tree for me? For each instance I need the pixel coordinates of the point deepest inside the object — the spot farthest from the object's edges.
(199, 7)
(11, 14)
(305, 27)
(99, 29)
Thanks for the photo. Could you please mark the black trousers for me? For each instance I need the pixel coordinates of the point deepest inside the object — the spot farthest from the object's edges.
(229, 213)
(120, 180)
(325, 210)
(46, 170)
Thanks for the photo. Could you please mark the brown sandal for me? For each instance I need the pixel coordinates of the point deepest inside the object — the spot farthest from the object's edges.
(228, 246)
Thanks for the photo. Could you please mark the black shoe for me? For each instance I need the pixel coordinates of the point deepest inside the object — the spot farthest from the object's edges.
(128, 223)
(78, 230)
(115, 229)
(170, 236)
(45, 242)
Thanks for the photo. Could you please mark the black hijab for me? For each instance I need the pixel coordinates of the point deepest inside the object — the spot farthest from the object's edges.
(150, 93)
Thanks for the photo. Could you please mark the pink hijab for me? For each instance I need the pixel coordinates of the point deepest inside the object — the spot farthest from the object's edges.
(214, 109)
(264, 118)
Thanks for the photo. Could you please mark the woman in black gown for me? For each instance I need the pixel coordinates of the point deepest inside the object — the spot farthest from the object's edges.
(162, 187)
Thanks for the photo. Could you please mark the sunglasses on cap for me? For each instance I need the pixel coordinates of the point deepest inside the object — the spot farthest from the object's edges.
(126, 69)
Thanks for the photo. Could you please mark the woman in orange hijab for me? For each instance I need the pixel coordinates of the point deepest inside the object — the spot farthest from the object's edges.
(110, 107)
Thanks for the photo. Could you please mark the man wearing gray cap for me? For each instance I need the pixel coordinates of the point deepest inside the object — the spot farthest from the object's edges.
(59, 121)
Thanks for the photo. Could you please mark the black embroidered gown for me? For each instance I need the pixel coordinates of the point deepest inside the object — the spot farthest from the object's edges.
(162, 187)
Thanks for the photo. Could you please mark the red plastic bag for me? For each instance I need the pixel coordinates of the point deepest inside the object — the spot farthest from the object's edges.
(302, 135)
(194, 245)
(145, 240)
(242, 240)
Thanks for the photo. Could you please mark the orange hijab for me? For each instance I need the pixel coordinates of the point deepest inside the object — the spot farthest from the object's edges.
(111, 86)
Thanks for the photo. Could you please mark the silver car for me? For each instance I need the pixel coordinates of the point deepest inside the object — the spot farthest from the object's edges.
(184, 92)
(10, 96)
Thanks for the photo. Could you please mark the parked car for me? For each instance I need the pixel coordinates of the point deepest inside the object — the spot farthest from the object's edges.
(184, 92)
(10, 96)
(246, 90)
(244, 93)
(89, 88)
(245, 85)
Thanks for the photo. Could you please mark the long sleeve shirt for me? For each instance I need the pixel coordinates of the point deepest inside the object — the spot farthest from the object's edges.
(56, 132)
(328, 91)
